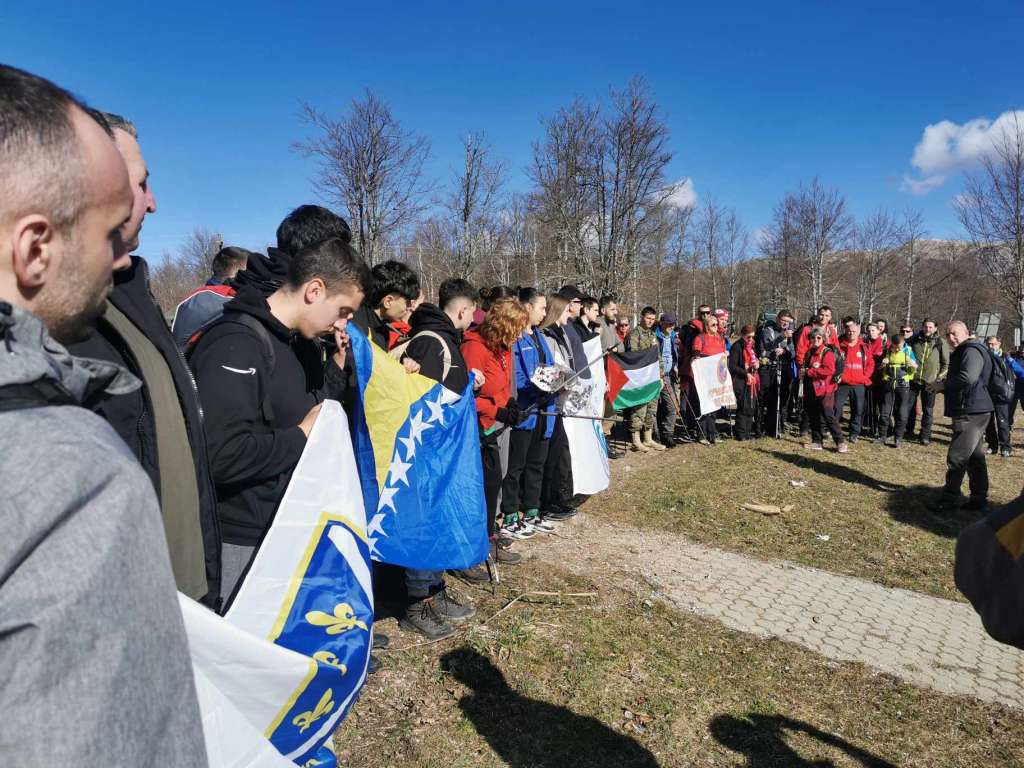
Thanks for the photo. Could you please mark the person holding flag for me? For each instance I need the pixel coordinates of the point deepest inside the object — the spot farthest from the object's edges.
(641, 417)
(489, 349)
(706, 344)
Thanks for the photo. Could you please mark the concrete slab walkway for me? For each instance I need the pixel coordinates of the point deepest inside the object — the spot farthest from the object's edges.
(934, 643)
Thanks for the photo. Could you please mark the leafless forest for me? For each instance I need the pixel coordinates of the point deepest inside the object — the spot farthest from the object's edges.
(602, 212)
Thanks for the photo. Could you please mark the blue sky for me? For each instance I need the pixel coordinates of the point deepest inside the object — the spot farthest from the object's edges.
(759, 96)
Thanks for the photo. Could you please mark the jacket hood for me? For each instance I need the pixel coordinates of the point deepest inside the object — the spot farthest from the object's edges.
(28, 353)
(265, 274)
(430, 317)
(473, 336)
(251, 301)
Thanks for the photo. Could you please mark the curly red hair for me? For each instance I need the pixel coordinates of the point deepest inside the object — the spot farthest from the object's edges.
(505, 322)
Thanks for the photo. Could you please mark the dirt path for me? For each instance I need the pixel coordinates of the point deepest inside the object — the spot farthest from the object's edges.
(934, 643)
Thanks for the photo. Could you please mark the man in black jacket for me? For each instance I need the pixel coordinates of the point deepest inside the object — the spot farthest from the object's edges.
(436, 337)
(969, 405)
(262, 393)
(161, 422)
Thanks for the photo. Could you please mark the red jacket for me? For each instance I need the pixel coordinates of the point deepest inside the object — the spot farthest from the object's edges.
(497, 371)
(860, 364)
(706, 345)
(822, 377)
(803, 340)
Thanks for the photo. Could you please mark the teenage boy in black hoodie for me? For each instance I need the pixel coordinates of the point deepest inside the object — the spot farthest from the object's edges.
(436, 336)
(262, 392)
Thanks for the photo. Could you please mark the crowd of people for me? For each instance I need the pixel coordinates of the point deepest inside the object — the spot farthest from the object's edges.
(142, 459)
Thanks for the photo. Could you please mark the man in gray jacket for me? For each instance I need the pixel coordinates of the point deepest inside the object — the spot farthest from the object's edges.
(969, 405)
(89, 619)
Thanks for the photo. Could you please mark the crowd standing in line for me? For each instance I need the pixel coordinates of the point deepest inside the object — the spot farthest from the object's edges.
(169, 449)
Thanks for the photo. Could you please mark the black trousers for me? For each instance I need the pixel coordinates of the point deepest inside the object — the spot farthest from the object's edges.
(967, 455)
(920, 392)
(490, 456)
(895, 405)
(556, 488)
(855, 394)
(747, 407)
(774, 399)
(668, 409)
(997, 433)
(821, 411)
(878, 403)
(527, 454)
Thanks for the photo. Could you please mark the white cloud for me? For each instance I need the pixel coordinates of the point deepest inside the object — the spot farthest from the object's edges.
(946, 147)
(682, 194)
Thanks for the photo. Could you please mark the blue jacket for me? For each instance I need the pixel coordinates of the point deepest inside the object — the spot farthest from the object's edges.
(668, 351)
(1017, 366)
(526, 359)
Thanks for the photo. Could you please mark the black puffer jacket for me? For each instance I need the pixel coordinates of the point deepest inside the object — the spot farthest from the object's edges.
(131, 415)
(256, 388)
(427, 351)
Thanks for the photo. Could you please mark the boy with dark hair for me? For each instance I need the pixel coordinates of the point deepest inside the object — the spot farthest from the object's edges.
(308, 225)
(394, 288)
(436, 336)
(260, 392)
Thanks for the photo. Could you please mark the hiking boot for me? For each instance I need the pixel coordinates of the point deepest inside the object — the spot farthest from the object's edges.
(1006, 453)
(651, 444)
(853, 439)
(380, 641)
(505, 556)
(374, 665)
(813, 446)
(670, 444)
(842, 448)
(520, 530)
(926, 441)
(614, 453)
(475, 575)
(898, 443)
(976, 503)
(637, 445)
(422, 616)
(449, 608)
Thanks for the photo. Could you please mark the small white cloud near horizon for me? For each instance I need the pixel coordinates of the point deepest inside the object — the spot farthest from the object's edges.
(946, 147)
(682, 194)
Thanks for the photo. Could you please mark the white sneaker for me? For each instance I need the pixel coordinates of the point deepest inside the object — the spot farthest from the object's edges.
(539, 524)
(521, 530)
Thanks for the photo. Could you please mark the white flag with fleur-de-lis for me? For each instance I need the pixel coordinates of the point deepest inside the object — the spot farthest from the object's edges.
(278, 673)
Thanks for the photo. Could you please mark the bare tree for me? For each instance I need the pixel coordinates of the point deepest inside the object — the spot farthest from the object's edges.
(473, 199)
(991, 210)
(735, 243)
(371, 166)
(681, 255)
(912, 231)
(178, 274)
(875, 241)
(708, 239)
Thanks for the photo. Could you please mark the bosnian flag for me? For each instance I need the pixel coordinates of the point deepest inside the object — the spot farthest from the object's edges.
(634, 378)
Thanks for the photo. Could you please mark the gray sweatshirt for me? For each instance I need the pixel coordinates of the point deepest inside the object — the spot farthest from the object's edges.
(94, 662)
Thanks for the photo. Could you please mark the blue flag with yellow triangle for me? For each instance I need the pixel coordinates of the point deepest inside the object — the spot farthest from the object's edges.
(417, 448)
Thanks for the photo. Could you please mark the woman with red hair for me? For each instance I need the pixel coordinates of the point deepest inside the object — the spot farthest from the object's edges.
(489, 349)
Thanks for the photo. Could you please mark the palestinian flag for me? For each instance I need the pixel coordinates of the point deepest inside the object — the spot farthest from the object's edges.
(634, 378)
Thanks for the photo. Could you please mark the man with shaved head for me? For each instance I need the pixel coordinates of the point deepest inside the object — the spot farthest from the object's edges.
(89, 619)
(969, 405)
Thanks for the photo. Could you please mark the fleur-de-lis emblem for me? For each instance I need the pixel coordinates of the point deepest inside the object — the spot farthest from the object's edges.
(342, 620)
(328, 658)
(324, 706)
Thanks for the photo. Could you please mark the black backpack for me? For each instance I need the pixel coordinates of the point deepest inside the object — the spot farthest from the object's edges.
(840, 362)
(1001, 382)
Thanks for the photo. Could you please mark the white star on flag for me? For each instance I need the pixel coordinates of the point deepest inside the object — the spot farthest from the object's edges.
(374, 526)
(410, 447)
(437, 408)
(399, 470)
(387, 499)
(417, 426)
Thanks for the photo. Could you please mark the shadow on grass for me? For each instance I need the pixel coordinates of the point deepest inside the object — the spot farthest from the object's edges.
(922, 506)
(762, 739)
(528, 733)
(839, 471)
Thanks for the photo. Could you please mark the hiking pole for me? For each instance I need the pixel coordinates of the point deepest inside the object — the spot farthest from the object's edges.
(696, 418)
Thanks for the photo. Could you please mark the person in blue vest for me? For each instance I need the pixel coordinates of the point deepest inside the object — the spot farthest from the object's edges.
(668, 400)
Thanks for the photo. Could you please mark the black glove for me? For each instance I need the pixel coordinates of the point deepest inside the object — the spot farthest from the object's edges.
(511, 414)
